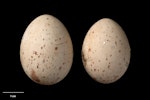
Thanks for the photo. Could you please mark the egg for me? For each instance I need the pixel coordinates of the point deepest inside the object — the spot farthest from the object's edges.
(46, 50)
(106, 51)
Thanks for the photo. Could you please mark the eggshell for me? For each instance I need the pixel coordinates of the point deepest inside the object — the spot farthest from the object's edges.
(46, 50)
(106, 51)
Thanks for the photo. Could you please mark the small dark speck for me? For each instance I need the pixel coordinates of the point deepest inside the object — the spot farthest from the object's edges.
(108, 66)
(37, 66)
(116, 43)
(58, 78)
(124, 58)
(110, 55)
(59, 38)
(63, 63)
(115, 77)
(43, 60)
(93, 32)
(60, 68)
(106, 58)
(84, 59)
(107, 40)
(47, 18)
(119, 51)
(44, 45)
(34, 76)
(126, 64)
(119, 64)
(38, 56)
(56, 48)
(103, 70)
(44, 77)
(94, 69)
(99, 60)
(89, 49)
(31, 56)
(35, 52)
(43, 39)
(41, 47)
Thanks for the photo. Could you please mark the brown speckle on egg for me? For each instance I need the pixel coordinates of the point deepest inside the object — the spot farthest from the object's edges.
(37, 66)
(119, 64)
(43, 77)
(43, 60)
(126, 64)
(47, 18)
(35, 52)
(56, 48)
(55, 40)
(103, 71)
(115, 77)
(63, 63)
(60, 68)
(84, 59)
(124, 58)
(57, 78)
(119, 51)
(110, 55)
(34, 77)
(108, 66)
(106, 58)
(93, 62)
(116, 43)
(89, 49)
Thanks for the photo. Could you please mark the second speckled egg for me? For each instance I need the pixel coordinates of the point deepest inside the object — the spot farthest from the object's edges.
(46, 50)
(106, 51)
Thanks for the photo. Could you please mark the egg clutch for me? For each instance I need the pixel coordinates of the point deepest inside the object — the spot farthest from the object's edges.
(46, 51)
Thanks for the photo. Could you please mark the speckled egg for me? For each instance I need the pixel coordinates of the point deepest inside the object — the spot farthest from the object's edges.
(106, 51)
(46, 50)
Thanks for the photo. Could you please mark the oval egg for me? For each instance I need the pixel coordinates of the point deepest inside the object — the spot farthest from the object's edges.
(106, 51)
(46, 50)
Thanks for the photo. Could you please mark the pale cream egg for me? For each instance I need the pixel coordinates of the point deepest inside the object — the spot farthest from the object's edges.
(106, 51)
(46, 50)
